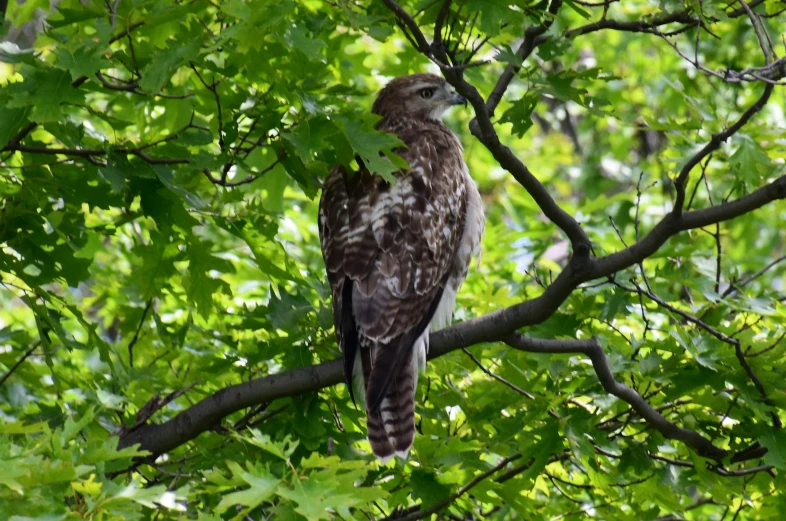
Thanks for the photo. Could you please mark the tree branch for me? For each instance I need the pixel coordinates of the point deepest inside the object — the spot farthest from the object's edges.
(757, 29)
(641, 26)
(19, 362)
(124, 33)
(90, 154)
(246, 180)
(212, 87)
(533, 37)
(714, 144)
(739, 285)
(717, 334)
(421, 514)
(20, 136)
(161, 438)
(638, 26)
(496, 376)
(600, 363)
(422, 44)
(135, 339)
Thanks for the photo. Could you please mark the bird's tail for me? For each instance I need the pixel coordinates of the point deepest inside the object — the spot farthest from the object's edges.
(391, 427)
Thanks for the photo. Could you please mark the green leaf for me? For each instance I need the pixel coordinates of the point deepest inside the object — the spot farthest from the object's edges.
(427, 488)
(117, 170)
(11, 120)
(775, 442)
(369, 144)
(200, 285)
(157, 265)
(751, 161)
(195, 137)
(164, 64)
(519, 114)
(152, 497)
(45, 517)
(507, 55)
(282, 449)
(308, 45)
(45, 91)
(85, 60)
(578, 9)
(262, 486)
(554, 48)
(333, 488)
(548, 442)
(64, 16)
(8, 478)
(167, 177)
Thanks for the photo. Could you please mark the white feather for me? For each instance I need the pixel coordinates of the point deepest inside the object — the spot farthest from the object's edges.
(383, 461)
(447, 305)
(419, 352)
(403, 454)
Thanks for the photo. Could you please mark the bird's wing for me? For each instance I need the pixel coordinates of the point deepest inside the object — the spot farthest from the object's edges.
(394, 244)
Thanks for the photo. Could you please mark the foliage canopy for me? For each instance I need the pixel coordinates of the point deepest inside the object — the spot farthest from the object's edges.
(159, 263)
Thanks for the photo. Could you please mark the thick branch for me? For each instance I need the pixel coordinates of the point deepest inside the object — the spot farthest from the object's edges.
(160, 438)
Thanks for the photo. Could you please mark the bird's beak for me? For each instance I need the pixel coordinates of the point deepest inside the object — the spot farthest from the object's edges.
(458, 99)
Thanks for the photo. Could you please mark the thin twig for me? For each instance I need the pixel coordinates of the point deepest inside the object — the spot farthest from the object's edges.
(136, 334)
(122, 34)
(755, 23)
(19, 362)
(213, 88)
(739, 285)
(713, 145)
(460, 492)
(776, 420)
(249, 179)
(768, 348)
(497, 377)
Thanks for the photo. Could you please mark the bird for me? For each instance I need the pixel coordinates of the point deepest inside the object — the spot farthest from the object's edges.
(397, 253)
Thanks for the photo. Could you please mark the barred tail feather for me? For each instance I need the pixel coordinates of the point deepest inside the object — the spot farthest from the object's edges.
(391, 427)
(378, 438)
(398, 408)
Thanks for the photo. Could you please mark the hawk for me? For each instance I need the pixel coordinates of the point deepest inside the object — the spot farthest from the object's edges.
(397, 253)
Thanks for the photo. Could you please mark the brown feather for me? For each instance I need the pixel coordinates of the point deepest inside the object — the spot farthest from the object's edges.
(400, 245)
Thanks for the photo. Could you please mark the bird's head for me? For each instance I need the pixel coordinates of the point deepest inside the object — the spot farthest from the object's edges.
(419, 96)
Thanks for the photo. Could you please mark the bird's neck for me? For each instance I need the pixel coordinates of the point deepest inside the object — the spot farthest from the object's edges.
(396, 122)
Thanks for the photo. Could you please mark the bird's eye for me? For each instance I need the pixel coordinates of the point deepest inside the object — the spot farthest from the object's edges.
(426, 93)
